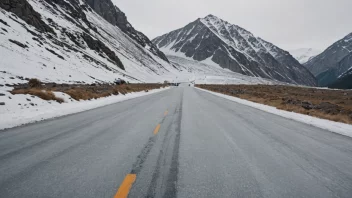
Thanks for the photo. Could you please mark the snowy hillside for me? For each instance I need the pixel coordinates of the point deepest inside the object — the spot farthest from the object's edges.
(207, 72)
(303, 55)
(232, 47)
(66, 41)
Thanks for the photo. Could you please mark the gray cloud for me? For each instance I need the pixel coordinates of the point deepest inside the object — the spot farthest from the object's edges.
(290, 24)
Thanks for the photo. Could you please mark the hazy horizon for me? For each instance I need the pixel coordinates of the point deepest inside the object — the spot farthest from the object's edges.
(288, 24)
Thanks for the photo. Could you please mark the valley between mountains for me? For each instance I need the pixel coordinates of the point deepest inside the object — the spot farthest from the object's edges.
(90, 106)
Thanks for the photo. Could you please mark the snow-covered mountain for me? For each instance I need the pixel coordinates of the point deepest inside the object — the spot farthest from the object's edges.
(303, 55)
(75, 41)
(88, 41)
(213, 40)
(331, 64)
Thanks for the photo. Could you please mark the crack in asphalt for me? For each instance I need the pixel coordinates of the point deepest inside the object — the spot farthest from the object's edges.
(138, 165)
(172, 171)
(171, 185)
(172, 135)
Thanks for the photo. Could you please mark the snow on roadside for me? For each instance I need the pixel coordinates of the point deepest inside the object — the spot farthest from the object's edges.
(23, 109)
(336, 127)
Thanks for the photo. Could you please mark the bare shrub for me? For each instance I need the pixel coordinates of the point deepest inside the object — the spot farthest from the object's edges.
(34, 83)
(80, 91)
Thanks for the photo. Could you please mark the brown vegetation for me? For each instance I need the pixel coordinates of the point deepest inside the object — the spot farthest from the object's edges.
(43, 94)
(335, 105)
(80, 91)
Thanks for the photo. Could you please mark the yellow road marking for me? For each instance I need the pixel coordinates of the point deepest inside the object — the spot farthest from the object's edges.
(125, 186)
(157, 128)
(166, 112)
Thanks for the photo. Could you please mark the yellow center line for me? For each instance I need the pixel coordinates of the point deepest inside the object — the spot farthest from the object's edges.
(166, 112)
(157, 128)
(125, 186)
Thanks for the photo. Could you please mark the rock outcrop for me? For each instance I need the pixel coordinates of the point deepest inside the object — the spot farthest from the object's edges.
(25, 11)
(100, 47)
(115, 16)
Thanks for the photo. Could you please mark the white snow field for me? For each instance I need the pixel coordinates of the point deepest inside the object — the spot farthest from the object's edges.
(208, 72)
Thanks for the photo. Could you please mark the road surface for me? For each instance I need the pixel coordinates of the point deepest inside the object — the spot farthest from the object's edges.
(182, 142)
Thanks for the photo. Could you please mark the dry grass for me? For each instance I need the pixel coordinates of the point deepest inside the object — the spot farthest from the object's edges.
(43, 94)
(335, 105)
(94, 92)
(82, 92)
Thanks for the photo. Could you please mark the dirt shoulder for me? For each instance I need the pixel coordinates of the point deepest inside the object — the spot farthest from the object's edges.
(335, 105)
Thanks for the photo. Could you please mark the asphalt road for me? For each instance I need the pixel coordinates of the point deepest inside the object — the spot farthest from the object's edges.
(182, 142)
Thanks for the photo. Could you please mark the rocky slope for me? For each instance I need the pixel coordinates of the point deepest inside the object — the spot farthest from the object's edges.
(218, 42)
(303, 55)
(343, 82)
(333, 62)
(68, 41)
(115, 16)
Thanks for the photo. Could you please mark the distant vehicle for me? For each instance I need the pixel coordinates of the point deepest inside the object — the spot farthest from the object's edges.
(119, 82)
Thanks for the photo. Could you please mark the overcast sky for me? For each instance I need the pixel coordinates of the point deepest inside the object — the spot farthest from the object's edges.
(289, 24)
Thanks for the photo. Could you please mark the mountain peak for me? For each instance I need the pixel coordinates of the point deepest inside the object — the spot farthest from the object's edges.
(303, 55)
(232, 47)
(210, 16)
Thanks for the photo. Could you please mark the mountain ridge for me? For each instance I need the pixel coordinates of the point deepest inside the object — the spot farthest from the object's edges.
(234, 48)
(115, 16)
(332, 62)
